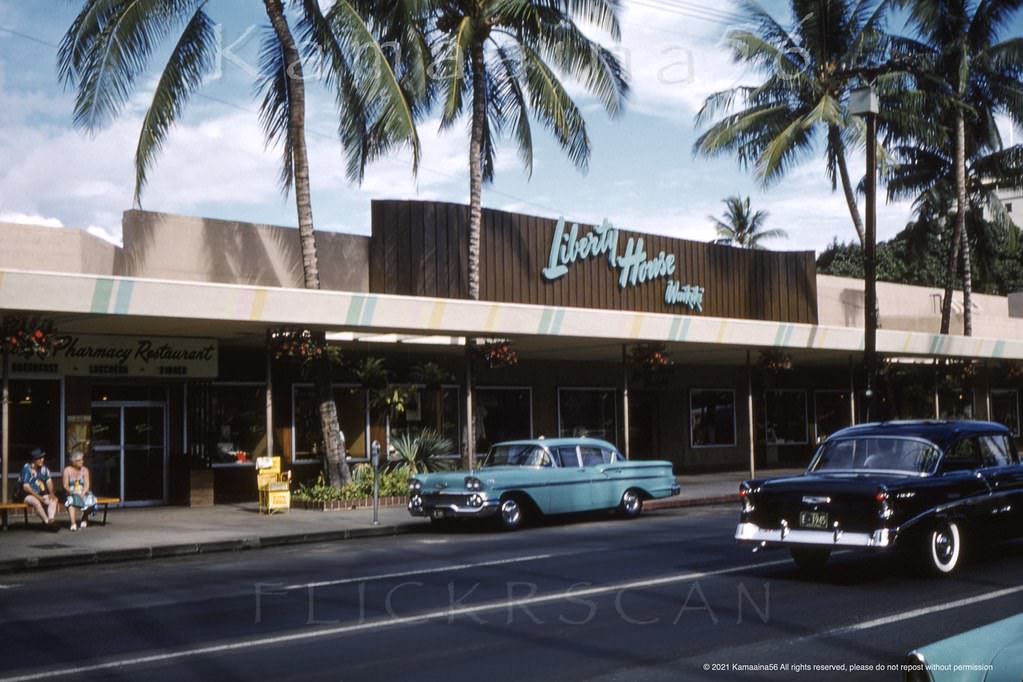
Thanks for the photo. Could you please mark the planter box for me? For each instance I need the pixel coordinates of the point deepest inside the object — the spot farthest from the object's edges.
(343, 505)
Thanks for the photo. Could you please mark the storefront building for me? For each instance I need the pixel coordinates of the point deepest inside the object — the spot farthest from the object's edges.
(713, 357)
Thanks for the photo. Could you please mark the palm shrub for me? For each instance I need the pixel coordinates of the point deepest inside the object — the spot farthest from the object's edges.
(417, 451)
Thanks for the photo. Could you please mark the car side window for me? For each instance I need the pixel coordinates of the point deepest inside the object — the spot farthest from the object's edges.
(963, 456)
(591, 456)
(566, 457)
(995, 451)
(610, 456)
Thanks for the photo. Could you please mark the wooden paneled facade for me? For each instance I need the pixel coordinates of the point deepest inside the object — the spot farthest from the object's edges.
(420, 248)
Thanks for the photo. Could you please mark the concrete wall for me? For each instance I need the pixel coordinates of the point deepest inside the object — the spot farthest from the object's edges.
(911, 308)
(33, 247)
(166, 246)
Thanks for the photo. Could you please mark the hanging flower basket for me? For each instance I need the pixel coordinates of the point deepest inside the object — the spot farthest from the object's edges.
(651, 363)
(29, 336)
(775, 361)
(295, 344)
(497, 353)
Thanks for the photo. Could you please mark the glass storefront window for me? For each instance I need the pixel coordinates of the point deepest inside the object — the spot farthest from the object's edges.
(955, 403)
(785, 417)
(587, 412)
(1005, 408)
(430, 408)
(35, 419)
(711, 418)
(239, 417)
(502, 414)
(351, 403)
(831, 412)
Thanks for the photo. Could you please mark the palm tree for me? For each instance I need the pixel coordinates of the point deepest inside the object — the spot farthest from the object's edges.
(503, 60)
(968, 78)
(808, 72)
(110, 43)
(741, 227)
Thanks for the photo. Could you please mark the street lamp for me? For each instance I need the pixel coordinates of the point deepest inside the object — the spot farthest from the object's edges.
(863, 102)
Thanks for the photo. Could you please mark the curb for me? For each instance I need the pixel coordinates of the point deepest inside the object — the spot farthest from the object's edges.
(82, 558)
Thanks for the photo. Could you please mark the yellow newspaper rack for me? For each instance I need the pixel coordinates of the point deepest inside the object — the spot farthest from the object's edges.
(274, 486)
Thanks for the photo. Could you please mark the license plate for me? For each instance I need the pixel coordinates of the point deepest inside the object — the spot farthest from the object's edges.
(438, 513)
(813, 519)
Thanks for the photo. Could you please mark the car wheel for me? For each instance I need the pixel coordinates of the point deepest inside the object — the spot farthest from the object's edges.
(631, 505)
(810, 559)
(943, 548)
(510, 513)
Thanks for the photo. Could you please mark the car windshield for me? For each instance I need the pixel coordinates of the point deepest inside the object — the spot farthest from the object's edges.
(523, 455)
(876, 454)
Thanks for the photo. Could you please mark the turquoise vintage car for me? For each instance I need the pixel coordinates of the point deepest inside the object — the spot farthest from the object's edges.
(991, 653)
(542, 476)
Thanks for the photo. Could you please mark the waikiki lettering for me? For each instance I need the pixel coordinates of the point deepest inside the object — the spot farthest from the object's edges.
(634, 266)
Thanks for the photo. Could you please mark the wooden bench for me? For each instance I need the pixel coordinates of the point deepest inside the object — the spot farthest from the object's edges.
(6, 507)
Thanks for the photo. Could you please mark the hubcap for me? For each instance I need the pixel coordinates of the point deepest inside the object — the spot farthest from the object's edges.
(631, 502)
(510, 512)
(944, 546)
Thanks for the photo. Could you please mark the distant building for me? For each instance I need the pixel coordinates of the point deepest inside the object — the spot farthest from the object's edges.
(1013, 200)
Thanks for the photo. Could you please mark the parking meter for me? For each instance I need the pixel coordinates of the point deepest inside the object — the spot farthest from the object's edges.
(374, 460)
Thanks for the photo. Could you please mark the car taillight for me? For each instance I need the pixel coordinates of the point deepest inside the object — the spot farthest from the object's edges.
(884, 510)
(746, 497)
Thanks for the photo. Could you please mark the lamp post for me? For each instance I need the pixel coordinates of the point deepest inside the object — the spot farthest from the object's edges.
(863, 102)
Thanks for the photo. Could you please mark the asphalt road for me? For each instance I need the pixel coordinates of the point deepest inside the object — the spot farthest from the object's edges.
(665, 597)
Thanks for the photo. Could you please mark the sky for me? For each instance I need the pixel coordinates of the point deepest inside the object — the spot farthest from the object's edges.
(642, 175)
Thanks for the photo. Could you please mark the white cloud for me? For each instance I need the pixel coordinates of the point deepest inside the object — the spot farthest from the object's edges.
(104, 234)
(29, 219)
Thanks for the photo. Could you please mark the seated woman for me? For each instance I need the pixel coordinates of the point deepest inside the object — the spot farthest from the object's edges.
(80, 498)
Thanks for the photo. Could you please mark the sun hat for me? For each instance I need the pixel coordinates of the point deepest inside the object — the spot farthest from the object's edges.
(38, 453)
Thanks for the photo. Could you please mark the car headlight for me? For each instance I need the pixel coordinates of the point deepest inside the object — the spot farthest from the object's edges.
(473, 483)
(415, 486)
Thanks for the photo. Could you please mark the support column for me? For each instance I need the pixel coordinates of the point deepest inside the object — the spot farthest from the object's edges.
(6, 427)
(470, 431)
(269, 401)
(625, 399)
(852, 392)
(749, 415)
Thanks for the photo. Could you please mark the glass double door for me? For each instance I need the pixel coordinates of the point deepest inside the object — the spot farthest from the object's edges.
(129, 451)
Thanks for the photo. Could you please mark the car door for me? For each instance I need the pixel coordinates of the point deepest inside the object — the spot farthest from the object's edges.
(962, 484)
(567, 484)
(1003, 471)
(604, 485)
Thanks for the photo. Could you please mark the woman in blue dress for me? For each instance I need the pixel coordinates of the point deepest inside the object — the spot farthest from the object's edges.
(80, 498)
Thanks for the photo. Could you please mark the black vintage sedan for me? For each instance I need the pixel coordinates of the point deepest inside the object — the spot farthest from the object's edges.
(933, 486)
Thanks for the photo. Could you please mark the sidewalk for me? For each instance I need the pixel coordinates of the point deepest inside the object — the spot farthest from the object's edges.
(154, 532)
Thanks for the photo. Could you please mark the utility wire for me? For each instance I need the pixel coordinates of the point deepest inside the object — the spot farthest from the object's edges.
(312, 132)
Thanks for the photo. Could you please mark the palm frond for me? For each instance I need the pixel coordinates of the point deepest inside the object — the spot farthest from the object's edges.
(553, 107)
(108, 45)
(191, 59)
(275, 109)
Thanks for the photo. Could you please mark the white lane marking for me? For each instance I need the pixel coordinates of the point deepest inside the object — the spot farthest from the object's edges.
(915, 613)
(8, 587)
(392, 622)
(422, 571)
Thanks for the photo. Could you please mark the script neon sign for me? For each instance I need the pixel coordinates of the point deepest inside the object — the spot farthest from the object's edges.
(634, 266)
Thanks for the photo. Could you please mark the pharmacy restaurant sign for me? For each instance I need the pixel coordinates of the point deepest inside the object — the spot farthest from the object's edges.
(633, 265)
(164, 357)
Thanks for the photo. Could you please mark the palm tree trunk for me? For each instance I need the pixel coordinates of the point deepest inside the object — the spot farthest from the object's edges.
(479, 112)
(957, 230)
(843, 172)
(964, 244)
(337, 466)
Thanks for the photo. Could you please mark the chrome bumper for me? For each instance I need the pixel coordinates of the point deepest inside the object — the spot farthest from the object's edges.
(751, 533)
(453, 506)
